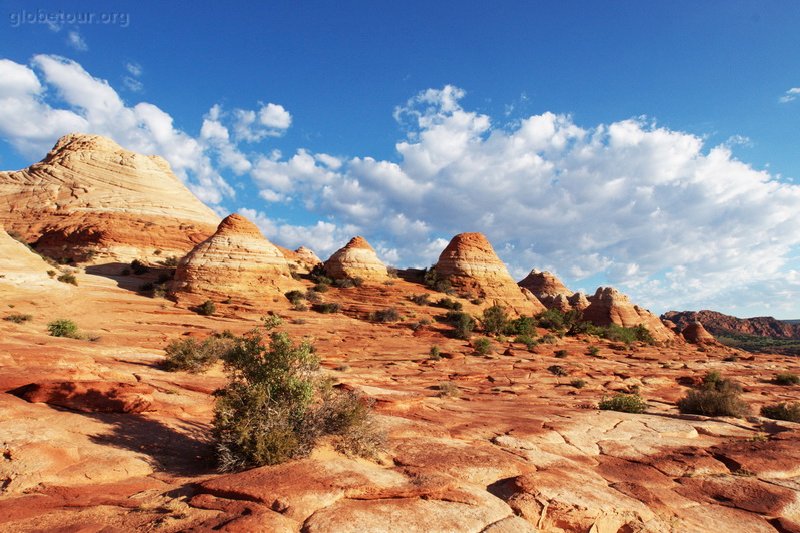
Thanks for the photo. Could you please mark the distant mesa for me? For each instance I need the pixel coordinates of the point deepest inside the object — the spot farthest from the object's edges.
(695, 333)
(356, 259)
(473, 269)
(720, 324)
(302, 261)
(20, 266)
(609, 306)
(235, 261)
(91, 200)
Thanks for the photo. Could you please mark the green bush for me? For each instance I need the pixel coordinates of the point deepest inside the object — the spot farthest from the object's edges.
(626, 403)
(523, 325)
(448, 389)
(295, 297)
(435, 354)
(617, 333)
(18, 318)
(275, 407)
(782, 411)
(327, 308)
(434, 282)
(787, 378)
(447, 303)
(68, 278)
(385, 315)
(139, 267)
(421, 299)
(560, 354)
(494, 320)
(578, 383)
(557, 370)
(594, 351)
(63, 328)
(207, 308)
(194, 356)
(716, 396)
(462, 323)
(321, 287)
(347, 283)
(549, 338)
(555, 320)
(483, 346)
(527, 340)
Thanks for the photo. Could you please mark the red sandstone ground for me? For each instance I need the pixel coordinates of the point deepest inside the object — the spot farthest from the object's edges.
(518, 450)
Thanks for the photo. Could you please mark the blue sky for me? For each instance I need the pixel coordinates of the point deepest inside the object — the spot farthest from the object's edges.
(652, 146)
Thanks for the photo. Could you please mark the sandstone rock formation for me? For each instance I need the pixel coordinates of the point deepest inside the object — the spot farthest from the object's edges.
(20, 266)
(697, 334)
(578, 301)
(91, 199)
(90, 396)
(716, 323)
(356, 259)
(236, 261)
(609, 306)
(303, 260)
(471, 265)
(544, 285)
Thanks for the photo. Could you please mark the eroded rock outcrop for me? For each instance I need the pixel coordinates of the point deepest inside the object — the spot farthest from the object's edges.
(473, 269)
(236, 261)
(90, 396)
(356, 259)
(697, 334)
(303, 260)
(90, 199)
(609, 306)
(20, 266)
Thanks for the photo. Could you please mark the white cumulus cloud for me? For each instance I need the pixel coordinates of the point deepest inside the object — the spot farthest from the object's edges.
(790, 95)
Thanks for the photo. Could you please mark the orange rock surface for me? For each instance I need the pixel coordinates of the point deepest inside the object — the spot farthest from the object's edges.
(609, 306)
(471, 265)
(236, 261)
(356, 259)
(91, 200)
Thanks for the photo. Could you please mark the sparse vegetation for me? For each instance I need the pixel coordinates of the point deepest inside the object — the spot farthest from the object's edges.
(482, 346)
(626, 403)
(68, 278)
(170, 262)
(17, 318)
(494, 320)
(523, 325)
(716, 396)
(527, 340)
(139, 268)
(346, 283)
(462, 323)
(435, 353)
(195, 356)
(207, 308)
(786, 379)
(295, 297)
(63, 328)
(321, 287)
(557, 370)
(448, 389)
(385, 315)
(275, 407)
(594, 351)
(782, 411)
(421, 299)
(327, 308)
(435, 282)
(560, 354)
(549, 338)
(447, 303)
(578, 383)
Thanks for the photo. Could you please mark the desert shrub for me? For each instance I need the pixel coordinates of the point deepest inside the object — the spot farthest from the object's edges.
(435, 354)
(327, 308)
(523, 325)
(274, 407)
(482, 346)
(557, 370)
(462, 323)
(716, 396)
(448, 389)
(343, 283)
(617, 333)
(626, 403)
(392, 271)
(555, 320)
(549, 338)
(782, 411)
(17, 318)
(527, 340)
(171, 261)
(560, 354)
(583, 327)
(421, 299)
(52, 273)
(437, 283)
(385, 315)
(63, 328)
(447, 303)
(318, 274)
(494, 320)
(313, 297)
(139, 268)
(593, 351)
(786, 378)
(195, 356)
(578, 383)
(272, 321)
(295, 296)
(207, 308)
(68, 278)
(321, 287)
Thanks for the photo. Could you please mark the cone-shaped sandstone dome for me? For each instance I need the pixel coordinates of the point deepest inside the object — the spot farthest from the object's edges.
(89, 196)
(471, 265)
(609, 306)
(356, 259)
(236, 261)
(544, 285)
(302, 260)
(697, 334)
